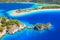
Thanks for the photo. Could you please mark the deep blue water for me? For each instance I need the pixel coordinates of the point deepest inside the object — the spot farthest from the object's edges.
(52, 16)
(11, 6)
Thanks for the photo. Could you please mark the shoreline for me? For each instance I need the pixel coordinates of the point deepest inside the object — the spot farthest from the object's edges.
(7, 27)
(13, 12)
(14, 28)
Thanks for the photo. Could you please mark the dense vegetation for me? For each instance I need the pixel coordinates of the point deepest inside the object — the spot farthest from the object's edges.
(8, 23)
(47, 1)
(37, 1)
(50, 7)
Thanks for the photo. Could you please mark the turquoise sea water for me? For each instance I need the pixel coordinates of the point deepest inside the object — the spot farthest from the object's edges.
(52, 16)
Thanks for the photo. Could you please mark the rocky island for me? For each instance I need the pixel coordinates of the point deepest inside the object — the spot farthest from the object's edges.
(39, 26)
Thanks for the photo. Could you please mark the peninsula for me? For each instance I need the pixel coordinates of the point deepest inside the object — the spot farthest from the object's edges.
(28, 10)
(9, 26)
(12, 25)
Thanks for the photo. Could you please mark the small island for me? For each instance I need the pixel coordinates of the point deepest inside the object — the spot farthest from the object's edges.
(39, 26)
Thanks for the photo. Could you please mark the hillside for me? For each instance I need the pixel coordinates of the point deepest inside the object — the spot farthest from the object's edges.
(37, 1)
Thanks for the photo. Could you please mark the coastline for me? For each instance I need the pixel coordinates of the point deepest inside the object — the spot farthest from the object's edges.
(7, 27)
(13, 12)
(22, 27)
(28, 27)
(14, 28)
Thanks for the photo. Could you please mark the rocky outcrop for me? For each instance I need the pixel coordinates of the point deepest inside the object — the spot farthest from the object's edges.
(42, 26)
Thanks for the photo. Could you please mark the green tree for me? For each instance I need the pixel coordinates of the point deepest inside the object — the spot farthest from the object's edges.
(3, 21)
(17, 22)
(1, 29)
(3, 25)
(47, 24)
(10, 22)
(8, 27)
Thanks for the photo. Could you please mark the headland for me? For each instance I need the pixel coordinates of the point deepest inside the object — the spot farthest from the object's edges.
(12, 25)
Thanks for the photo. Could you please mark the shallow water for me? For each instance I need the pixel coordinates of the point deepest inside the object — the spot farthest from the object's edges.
(52, 16)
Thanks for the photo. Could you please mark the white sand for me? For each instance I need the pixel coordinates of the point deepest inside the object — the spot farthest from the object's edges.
(13, 12)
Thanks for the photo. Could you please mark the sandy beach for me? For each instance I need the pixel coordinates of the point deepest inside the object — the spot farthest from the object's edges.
(14, 13)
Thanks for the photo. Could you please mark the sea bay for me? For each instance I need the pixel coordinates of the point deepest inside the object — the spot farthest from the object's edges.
(52, 16)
